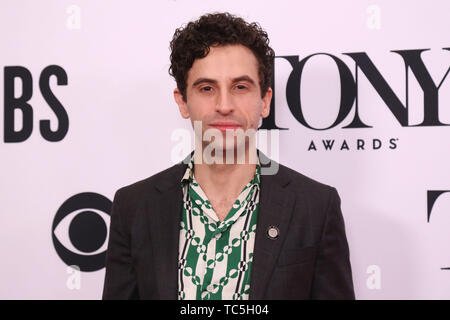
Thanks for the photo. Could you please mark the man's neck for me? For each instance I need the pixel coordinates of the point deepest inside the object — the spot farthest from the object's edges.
(222, 183)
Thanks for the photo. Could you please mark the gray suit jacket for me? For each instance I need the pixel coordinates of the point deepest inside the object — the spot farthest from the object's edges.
(308, 260)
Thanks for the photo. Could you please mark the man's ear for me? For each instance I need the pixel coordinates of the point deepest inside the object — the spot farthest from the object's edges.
(182, 105)
(265, 110)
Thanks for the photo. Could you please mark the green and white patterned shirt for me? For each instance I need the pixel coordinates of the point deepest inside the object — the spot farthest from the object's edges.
(215, 258)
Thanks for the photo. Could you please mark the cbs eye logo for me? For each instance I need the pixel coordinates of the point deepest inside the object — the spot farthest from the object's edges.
(80, 230)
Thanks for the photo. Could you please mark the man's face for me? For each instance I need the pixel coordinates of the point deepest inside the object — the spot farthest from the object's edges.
(223, 92)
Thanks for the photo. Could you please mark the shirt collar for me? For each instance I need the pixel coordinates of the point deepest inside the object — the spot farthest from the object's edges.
(189, 173)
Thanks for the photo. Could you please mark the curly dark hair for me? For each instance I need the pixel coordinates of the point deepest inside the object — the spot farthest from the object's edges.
(217, 29)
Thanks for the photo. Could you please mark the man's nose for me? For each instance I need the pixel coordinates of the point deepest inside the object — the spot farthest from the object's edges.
(224, 103)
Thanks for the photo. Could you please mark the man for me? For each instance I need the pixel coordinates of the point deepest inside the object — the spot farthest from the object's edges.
(215, 226)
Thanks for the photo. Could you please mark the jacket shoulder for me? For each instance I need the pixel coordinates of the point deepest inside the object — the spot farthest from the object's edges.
(320, 196)
(144, 187)
(303, 182)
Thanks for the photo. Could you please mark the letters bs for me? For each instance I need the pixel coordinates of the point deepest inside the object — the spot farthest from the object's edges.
(20, 103)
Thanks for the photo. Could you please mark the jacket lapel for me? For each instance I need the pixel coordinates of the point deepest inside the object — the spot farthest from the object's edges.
(164, 216)
(276, 205)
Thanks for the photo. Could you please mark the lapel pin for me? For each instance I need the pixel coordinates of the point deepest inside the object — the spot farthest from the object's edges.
(273, 232)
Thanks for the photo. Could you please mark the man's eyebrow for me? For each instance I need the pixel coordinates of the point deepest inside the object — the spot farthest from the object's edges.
(203, 80)
(234, 80)
(244, 78)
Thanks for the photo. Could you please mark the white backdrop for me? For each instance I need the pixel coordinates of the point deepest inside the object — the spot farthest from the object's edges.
(121, 113)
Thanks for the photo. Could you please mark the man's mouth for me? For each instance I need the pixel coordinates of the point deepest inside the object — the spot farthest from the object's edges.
(223, 126)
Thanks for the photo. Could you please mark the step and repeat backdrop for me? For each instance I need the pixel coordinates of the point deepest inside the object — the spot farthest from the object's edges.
(362, 103)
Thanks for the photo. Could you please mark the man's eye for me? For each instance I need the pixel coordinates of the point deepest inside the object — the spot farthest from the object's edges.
(206, 88)
(241, 87)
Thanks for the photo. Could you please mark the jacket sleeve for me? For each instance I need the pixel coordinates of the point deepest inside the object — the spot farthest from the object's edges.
(333, 274)
(120, 275)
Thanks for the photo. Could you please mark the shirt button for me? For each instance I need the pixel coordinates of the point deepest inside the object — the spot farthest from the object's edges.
(217, 236)
(210, 288)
